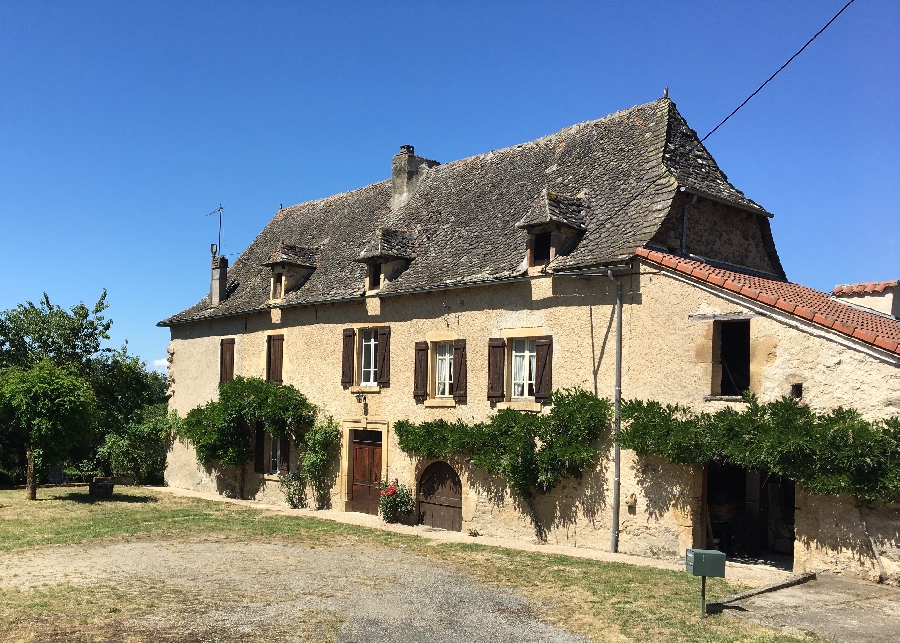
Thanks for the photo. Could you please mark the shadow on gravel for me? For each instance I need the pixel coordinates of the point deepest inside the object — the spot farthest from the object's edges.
(86, 499)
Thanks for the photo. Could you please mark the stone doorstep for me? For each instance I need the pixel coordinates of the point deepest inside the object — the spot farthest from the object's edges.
(750, 574)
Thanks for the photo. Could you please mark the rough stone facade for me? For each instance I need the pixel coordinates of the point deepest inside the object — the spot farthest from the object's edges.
(666, 356)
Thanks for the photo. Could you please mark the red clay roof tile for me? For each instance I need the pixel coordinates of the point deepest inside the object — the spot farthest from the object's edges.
(820, 307)
(864, 288)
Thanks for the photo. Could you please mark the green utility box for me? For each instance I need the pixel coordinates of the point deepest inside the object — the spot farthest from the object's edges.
(705, 562)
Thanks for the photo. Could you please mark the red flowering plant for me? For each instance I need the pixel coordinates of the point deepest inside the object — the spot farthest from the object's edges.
(396, 501)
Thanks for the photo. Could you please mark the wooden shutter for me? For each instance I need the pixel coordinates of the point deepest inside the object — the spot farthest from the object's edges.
(384, 356)
(420, 372)
(275, 357)
(284, 463)
(459, 370)
(543, 367)
(496, 366)
(259, 449)
(347, 357)
(226, 360)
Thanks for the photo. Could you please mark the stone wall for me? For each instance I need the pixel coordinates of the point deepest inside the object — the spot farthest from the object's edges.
(666, 335)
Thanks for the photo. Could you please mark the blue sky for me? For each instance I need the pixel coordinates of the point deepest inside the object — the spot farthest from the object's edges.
(123, 124)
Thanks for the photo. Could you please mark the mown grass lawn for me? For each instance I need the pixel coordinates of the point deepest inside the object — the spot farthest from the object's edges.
(605, 601)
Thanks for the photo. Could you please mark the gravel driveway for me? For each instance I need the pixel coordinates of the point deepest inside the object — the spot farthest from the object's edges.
(221, 591)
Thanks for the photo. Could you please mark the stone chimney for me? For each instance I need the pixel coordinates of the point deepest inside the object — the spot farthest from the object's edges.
(219, 280)
(407, 171)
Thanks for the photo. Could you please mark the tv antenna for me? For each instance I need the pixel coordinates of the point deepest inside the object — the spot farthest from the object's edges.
(218, 246)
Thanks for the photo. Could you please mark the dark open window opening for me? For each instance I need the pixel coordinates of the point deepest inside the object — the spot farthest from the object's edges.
(735, 356)
(797, 391)
(542, 244)
(374, 275)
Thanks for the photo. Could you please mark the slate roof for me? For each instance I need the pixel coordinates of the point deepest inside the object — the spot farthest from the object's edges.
(809, 304)
(550, 207)
(866, 288)
(293, 255)
(461, 222)
(388, 244)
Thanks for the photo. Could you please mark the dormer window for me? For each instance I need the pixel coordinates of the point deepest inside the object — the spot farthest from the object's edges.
(554, 224)
(291, 268)
(388, 253)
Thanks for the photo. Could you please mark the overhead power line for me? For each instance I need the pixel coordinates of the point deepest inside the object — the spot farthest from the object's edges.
(799, 51)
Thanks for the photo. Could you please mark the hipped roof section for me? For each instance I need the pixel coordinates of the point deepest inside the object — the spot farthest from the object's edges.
(461, 222)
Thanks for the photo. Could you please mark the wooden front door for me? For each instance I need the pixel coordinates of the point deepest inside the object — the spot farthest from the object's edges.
(366, 476)
(440, 497)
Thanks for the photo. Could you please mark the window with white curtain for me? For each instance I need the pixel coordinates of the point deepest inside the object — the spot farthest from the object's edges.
(523, 365)
(369, 356)
(443, 386)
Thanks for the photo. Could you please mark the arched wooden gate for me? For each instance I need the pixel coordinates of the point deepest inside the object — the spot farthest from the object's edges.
(440, 497)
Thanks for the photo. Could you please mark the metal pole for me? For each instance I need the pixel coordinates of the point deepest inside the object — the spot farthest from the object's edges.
(703, 597)
(614, 546)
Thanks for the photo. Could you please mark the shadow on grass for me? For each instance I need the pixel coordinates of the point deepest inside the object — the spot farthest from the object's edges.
(718, 608)
(88, 499)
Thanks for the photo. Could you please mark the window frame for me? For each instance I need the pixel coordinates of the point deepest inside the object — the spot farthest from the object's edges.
(274, 455)
(362, 344)
(531, 362)
(433, 382)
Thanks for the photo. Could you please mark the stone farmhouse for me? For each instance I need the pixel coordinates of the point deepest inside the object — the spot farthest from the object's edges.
(454, 290)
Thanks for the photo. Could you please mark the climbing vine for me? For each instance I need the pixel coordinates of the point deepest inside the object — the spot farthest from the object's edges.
(828, 453)
(532, 453)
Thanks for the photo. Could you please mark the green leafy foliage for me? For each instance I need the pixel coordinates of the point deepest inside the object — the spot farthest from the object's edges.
(32, 333)
(396, 501)
(139, 450)
(293, 486)
(533, 453)
(223, 429)
(318, 450)
(828, 453)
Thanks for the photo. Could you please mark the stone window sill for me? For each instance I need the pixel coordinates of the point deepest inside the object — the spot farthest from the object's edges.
(271, 477)
(368, 389)
(521, 405)
(440, 402)
(723, 398)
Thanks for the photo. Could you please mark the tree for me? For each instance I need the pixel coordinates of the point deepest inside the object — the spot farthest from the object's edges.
(30, 334)
(139, 448)
(223, 430)
(47, 410)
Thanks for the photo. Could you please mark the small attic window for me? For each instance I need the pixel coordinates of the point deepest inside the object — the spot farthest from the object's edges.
(374, 276)
(542, 245)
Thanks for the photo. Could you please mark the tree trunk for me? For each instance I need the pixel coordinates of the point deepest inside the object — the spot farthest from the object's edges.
(241, 475)
(540, 532)
(30, 478)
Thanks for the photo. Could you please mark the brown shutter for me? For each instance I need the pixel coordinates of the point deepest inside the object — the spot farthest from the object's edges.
(284, 464)
(275, 357)
(543, 367)
(226, 361)
(420, 372)
(496, 366)
(384, 356)
(347, 357)
(259, 449)
(459, 370)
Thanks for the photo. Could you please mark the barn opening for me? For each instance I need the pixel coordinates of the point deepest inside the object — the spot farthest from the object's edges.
(750, 514)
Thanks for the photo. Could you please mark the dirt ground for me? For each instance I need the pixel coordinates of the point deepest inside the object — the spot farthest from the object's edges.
(219, 591)
(837, 609)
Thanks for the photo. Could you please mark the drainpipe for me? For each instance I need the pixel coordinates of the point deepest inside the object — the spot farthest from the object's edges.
(684, 226)
(614, 544)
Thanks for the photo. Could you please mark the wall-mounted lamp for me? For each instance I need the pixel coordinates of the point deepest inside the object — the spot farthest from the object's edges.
(360, 397)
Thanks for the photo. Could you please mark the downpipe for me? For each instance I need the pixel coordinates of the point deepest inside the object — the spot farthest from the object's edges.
(614, 543)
